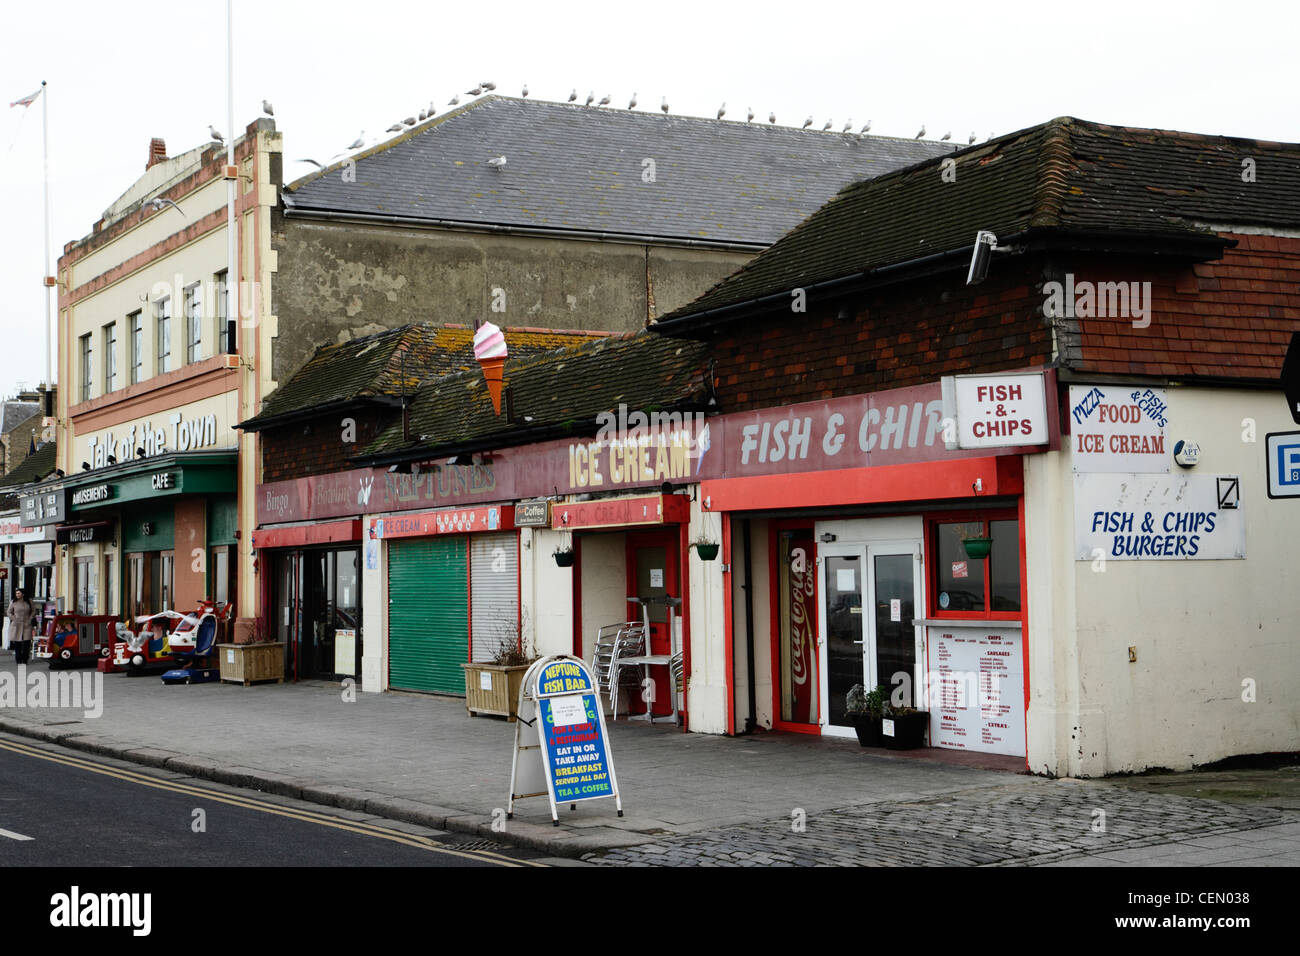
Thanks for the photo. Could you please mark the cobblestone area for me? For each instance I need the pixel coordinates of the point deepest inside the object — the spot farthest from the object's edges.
(984, 827)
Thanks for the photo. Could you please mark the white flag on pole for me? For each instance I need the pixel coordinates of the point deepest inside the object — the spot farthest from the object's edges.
(27, 100)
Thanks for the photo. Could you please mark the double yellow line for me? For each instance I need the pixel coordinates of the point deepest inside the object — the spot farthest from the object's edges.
(252, 803)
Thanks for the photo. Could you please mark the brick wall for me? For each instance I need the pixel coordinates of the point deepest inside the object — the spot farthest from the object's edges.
(316, 446)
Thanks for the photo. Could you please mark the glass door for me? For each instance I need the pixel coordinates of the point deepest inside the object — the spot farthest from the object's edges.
(892, 637)
(842, 639)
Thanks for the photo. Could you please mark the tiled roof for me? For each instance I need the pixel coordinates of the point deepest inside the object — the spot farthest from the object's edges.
(15, 413)
(555, 394)
(34, 467)
(372, 368)
(571, 167)
(1065, 176)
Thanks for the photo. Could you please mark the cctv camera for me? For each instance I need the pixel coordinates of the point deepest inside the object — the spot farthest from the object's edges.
(985, 243)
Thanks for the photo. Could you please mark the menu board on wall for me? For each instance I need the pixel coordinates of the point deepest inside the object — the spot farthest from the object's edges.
(977, 689)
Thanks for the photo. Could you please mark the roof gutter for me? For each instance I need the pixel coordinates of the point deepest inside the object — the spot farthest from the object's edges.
(1197, 247)
(291, 212)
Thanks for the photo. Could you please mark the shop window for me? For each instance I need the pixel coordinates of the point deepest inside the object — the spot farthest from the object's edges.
(223, 575)
(166, 581)
(966, 586)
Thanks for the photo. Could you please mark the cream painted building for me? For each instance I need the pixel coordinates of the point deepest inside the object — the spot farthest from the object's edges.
(160, 363)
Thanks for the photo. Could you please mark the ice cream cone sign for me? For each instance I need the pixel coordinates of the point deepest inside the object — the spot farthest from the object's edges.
(490, 350)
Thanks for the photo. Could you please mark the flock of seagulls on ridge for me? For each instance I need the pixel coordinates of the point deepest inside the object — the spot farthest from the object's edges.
(487, 86)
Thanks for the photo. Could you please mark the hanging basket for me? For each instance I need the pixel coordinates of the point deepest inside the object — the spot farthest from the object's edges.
(977, 548)
(707, 552)
(564, 558)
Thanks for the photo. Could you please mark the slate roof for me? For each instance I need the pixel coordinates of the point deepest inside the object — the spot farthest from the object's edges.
(1066, 176)
(563, 392)
(35, 467)
(15, 413)
(571, 167)
(371, 369)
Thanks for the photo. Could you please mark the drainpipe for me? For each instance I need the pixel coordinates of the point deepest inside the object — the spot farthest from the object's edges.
(752, 720)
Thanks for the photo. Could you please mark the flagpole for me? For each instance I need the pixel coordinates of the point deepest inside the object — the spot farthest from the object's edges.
(232, 265)
(49, 276)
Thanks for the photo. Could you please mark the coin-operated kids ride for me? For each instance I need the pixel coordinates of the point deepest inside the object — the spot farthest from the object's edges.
(199, 664)
(73, 640)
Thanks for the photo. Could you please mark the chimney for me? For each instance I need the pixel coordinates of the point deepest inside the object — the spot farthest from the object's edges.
(157, 152)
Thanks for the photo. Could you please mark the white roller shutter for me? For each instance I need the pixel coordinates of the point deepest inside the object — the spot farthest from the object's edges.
(494, 592)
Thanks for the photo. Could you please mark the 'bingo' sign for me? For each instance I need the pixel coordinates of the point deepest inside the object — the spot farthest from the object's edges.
(559, 699)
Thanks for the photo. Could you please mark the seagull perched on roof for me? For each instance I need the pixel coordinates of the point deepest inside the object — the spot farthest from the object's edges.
(604, 100)
(409, 121)
(395, 128)
(423, 115)
(212, 131)
(945, 137)
(475, 92)
(826, 126)
(807, 122)
(359, 141)
(488, 85)
(266, 108)
(722, 110)
(573, 96)
(498, 162)
(664, 106)
(631, 104)
(771, 117)
(866, 128)
(971, 141)
(525, 93)
(749, 117)
(922, 133)
(454, 100)
(591, 97)
(848, 127)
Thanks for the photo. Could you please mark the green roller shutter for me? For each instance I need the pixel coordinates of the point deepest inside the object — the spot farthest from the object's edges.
(428, 615)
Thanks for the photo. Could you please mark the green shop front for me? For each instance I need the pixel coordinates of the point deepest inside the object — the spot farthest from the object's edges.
(152, 535)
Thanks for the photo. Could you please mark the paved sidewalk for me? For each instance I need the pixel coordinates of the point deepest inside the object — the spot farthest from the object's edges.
(422, 759)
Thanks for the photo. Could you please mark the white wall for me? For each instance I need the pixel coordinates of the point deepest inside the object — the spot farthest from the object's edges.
(1200, 627)
(374, 614)
(707, 680)
(604, 586)
(547, 593)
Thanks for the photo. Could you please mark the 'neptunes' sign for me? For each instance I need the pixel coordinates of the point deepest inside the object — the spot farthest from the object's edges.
(184, 435)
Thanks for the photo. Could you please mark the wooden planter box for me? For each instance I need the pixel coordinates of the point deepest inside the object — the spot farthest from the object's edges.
(251, 663)
(493, 688)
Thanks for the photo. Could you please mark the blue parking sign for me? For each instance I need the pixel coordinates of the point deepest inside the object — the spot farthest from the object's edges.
(1282, 454)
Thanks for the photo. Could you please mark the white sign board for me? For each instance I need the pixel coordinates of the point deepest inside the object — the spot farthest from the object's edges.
(1119, 429)
(345, 651)
(1283, 451)
(1155, 518)
(977, 689)
(996, 411)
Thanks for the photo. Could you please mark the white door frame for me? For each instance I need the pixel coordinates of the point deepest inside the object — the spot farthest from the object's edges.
(866, 551)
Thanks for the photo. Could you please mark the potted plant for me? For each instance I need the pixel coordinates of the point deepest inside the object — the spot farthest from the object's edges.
(866, 710)
(564, 557)
(492, 687)
(903, 727)
(706, 549)
(977, 545)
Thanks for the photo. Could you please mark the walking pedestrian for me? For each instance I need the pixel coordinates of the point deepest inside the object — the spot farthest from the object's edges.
(22, 625)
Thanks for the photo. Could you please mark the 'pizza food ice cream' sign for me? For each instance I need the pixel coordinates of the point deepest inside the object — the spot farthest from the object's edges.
(1117, 429)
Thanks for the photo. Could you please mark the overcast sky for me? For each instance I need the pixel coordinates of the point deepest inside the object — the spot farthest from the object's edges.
(122, 72)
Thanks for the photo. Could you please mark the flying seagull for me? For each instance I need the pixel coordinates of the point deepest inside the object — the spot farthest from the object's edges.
(266, 108)
(722, 111)
(306, 160)
(212, 131)
(922, 133)
(159, 202)
(631, 104)
(945, 137)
